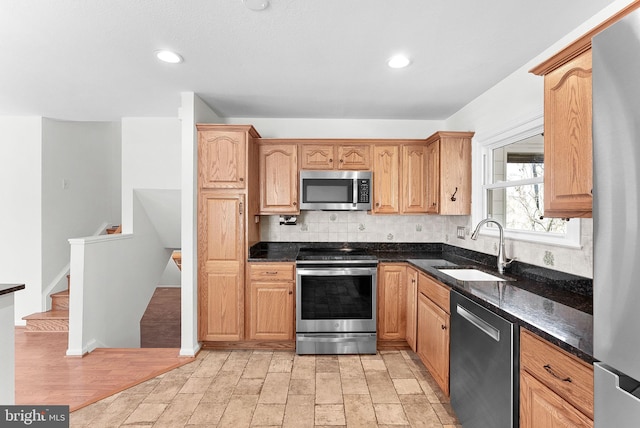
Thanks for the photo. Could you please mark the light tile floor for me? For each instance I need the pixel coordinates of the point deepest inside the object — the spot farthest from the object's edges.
(263, 388)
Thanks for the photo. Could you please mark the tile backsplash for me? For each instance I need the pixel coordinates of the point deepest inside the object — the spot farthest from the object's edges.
(358, 226)
(354, 226)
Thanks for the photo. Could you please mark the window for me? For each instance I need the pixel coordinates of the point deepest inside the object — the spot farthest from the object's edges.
(513, 191)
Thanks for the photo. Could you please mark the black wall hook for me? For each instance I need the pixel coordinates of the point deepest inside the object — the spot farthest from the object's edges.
(453, 197)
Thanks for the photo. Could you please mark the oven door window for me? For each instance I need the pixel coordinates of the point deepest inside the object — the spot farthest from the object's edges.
(334, 190)
(336, 297)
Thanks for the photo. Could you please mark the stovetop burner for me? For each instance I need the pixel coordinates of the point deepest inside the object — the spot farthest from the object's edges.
(334, 254)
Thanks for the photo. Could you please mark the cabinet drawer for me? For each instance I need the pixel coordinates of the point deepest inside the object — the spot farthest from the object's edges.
(271, 271)
(435, 291)
(567, 376)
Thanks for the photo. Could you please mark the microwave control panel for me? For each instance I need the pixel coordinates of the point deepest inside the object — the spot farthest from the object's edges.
(363, 191)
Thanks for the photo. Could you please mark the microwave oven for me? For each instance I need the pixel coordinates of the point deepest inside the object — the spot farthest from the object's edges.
(335, 190)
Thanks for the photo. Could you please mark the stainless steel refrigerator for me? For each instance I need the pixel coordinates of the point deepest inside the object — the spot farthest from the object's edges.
(616, 214)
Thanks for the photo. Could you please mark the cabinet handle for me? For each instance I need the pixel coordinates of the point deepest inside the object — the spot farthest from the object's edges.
(295, 203)
(341, 161)
(330, 160)
(444, 327)
(453, 197)
(290, 292)
(549, 370)
(377, 204)
(241, 179)
(271, 273)
(413, 281)
(240, 208)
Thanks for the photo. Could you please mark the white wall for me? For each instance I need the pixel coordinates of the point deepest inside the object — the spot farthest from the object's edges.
(79, 184)
(193, 111)
(20, 225)
(150, 159)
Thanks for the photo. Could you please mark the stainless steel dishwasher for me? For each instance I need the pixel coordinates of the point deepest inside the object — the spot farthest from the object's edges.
(484, 366)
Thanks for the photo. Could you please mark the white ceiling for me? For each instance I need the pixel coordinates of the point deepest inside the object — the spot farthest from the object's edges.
(94, 59)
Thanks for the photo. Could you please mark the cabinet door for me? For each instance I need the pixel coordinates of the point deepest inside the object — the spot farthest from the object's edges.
(354, 157)
(433, 340)
(271, 311)
(412, 307)
(540, 407)
(221, 267)
(222, 159)
(414, 179)
(392, 302)
(433, 177)
(278, 179)
(386, 179)
(317, 156)
(455, 176)
(567, 139)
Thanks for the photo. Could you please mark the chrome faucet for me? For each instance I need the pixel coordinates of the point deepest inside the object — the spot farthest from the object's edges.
(502, 258)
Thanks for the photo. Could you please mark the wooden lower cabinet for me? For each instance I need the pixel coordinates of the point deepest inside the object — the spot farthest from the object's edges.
(412, 307)
(392, 301)
(433, 340)
(556, 388)
(271, 301)
(540, 407)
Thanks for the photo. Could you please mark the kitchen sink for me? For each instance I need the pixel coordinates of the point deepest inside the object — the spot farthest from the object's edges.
(470, 274)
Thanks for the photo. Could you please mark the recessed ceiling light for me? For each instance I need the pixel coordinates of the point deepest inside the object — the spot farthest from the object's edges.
(398, 61)
(256, 5)
(169, 56)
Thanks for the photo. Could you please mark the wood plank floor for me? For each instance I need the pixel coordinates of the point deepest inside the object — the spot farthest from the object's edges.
(44, 375)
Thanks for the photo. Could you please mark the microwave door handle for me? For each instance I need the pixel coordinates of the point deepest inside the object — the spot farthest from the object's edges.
(355, 193)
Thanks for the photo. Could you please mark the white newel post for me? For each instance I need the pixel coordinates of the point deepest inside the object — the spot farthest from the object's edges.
(7, 344)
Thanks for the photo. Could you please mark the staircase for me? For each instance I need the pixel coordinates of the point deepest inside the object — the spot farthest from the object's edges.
(57, 319)
(54, 320)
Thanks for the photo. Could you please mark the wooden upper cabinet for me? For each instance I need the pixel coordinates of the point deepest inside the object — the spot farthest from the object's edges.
(568, 177)
(414, 179)
(316, 156)
(278, 178)
(222, 156)
(335, 156)
(567, 125)
(449, 173)
(432, 188)
(355, 157)
(386, 179)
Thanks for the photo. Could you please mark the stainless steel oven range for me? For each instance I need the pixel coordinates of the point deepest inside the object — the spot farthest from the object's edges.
(335, 301)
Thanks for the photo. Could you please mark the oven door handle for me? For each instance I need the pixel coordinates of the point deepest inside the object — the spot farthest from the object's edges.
(335, 271)
(333, 338)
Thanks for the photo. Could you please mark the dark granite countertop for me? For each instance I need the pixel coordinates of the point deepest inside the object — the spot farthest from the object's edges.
(555, 305)
(10, 288)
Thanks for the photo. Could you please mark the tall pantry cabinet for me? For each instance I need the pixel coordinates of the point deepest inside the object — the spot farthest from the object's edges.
(228, 200)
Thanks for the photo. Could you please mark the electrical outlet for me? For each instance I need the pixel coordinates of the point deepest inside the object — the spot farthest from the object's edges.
(462, 232)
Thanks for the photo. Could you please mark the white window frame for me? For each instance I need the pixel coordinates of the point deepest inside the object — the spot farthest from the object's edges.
(483, 146)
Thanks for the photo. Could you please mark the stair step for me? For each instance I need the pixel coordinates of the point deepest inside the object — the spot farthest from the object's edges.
(60, 301)
(50, 321)
(114, 229)
(177, 258)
